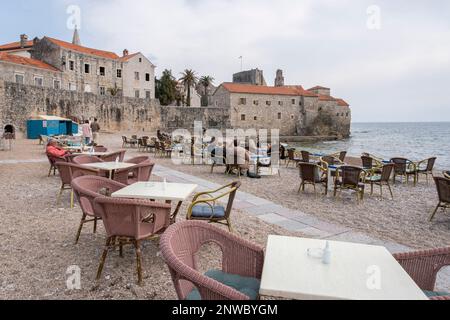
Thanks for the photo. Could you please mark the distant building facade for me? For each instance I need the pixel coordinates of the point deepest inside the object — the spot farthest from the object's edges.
(58, 64)
(254, 77)
(292, 109)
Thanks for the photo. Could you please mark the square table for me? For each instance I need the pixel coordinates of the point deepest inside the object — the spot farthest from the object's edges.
(169, 192)
(109, 166)
(356, 272)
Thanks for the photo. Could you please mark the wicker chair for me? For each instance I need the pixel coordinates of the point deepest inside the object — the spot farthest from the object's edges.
(65, 173)
(130, 222)
(381, 179)
(138, 173)
(404, 168)
(53, 160)
(114, 156)
(306, 156)
(428, 170)
(446, 174)
(310, 174)
(443, 189)
(293, 157)
(349, 177)
(206, 208)
(423, 267)
(370, 163)
(242, 261)
(87, 189)
(80, 160)
(100, 149)
(137, 160)
(218, 159)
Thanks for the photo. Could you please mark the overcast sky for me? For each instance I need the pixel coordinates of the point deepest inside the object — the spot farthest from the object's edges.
(389, 59)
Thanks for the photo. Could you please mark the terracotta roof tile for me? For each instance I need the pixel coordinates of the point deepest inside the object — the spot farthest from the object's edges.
(15, 45)
(128, 57)
(253, 89)
(25, 61)
(81, 49)
(318, 88)
(342, 103)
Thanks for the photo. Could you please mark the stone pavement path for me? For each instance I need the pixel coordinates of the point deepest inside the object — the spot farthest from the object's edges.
(292, 220)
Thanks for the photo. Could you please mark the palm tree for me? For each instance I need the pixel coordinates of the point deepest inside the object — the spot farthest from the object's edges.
(189, 80)
(206, 82)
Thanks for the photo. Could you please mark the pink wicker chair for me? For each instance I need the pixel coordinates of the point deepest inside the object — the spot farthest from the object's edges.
(138, 173)
(52, 160)
(179, 246)
(130, 222)
(113, 156)
(423, 267)
(86, 160)
(87, 188)
(138, 160)
(68, 172)
(100, 149)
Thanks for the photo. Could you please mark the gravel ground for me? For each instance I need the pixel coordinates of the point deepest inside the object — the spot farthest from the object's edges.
(37, 241)
(37, 236)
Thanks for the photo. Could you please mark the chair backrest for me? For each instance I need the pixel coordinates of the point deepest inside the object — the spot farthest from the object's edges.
(400, 165)
(446, 174)
(100, 149)
(53, 159)
(342, 155)
(350, 175)
(443, 189)
(138, 160)
(367, 162)
(114, 156)
(386, 172)
(84, 159)
(88, 188)
(305, 156)
(124, 139)
(80, 170)
(430, 164)
(308, 172)
(65, 172)
(180, 244)
(234, 189)
(291, 154)
(330, 160)
(134, 137)
(132, 218)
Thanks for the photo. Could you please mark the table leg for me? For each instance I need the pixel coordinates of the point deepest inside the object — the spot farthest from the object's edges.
(173, 218)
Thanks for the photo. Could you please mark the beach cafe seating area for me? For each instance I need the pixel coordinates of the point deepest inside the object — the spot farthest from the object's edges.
(118, 193)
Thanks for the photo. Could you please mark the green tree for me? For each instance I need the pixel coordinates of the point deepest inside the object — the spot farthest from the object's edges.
(166, 88)
(189, 79)
(206, 82)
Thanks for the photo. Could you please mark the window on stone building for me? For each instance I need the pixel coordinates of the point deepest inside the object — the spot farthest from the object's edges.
(19, 78)
(337, 115)
(87, 68)
(38, 81)
(268, 103)
(137, 94)
(346, 114)
(119, 73)
(279, 116)
(293, 101)
(280, 103)
(148, 94)
(255, 118)
(71, 65)
(72, 87)
(242, 117)
(292, 117)
(147, 77)
(136, 76)
(56, 84)
(102, 71)
(242, 101)
(140, 59)
(300, 103)
(102, 91)
(256, 102)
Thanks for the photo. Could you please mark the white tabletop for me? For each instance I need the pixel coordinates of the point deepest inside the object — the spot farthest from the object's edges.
(109, 166)
(157, 191)
(356, 272)
(94, 154)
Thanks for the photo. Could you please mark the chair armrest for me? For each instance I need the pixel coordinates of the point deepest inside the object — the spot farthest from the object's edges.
(423, 266)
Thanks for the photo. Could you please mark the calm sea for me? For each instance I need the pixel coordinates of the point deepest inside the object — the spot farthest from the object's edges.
(415, 141)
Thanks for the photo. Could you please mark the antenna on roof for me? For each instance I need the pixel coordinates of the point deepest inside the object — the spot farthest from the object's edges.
(242, 58)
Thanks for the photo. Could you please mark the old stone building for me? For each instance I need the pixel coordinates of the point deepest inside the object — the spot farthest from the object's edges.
(77, 68)
(254, 76)
(292, 109)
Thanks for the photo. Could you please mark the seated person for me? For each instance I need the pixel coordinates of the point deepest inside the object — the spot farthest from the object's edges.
(53, 149)
(241, 156)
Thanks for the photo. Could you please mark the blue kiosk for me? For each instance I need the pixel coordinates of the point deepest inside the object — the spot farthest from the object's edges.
(50, 126)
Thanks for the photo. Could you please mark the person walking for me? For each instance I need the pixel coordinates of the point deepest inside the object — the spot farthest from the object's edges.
(95, 128)
(87, 132)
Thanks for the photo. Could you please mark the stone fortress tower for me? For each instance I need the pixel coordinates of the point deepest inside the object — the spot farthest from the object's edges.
(279, 80)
